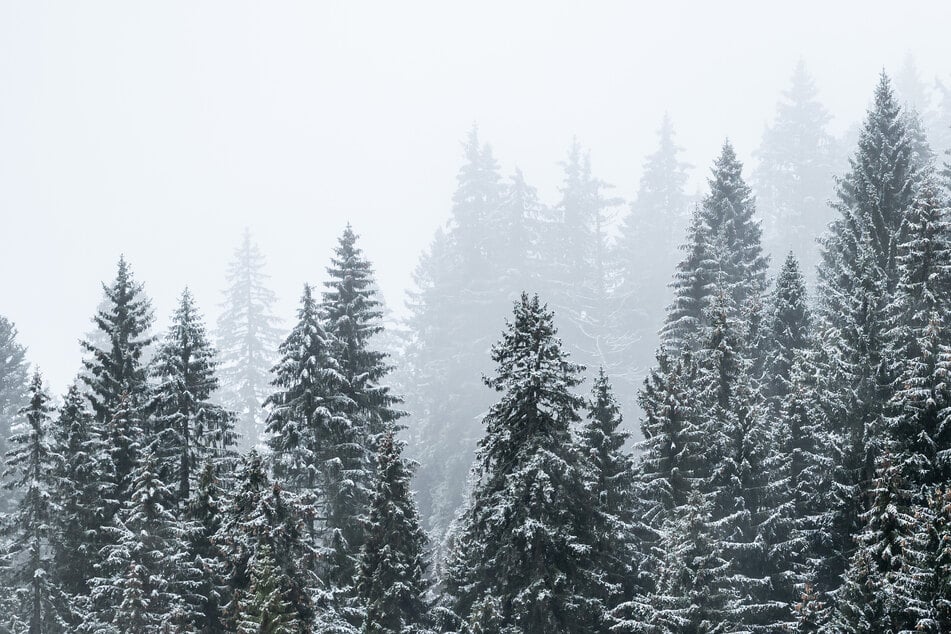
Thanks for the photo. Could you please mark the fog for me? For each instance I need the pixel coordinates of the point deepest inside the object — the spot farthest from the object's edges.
(162, 130)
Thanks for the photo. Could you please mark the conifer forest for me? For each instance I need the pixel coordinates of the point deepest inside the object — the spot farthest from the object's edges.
(714, 398)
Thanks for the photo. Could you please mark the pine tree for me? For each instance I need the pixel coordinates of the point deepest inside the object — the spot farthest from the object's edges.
(115, 375)
(309, 402)
(645, 254)
(30, 465)
(82, 484)
(141, 577)
(879, 591)
(695, 588)
(575, 255)
(857, 281)
(248, 334)
(188, 428)
(390, 582)
(723, 250)
(317, 448)
(264, 608)
(353, 315)
(519, 535)
(202, 520)
(787, 330)
(738, 442)
(609, 471)
(13, 385)
(794, 177)
(261, 516)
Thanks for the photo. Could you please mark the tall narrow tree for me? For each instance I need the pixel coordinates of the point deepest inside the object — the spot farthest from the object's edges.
(247, 335)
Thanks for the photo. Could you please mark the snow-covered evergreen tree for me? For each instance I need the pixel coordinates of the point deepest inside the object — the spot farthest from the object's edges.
(203, 516)
(723, 251)
(264, 609)
(144, 570)
(613, 559)
(857, 280)
(519, 543)
(187, 427)
(354, 316)
(247, 336)
(115, 374)
(82, 489)
(787, 330)
(31, 463)
(261, 518)
(390, 581)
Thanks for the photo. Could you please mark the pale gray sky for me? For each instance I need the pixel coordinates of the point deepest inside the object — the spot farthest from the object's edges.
(161, 129)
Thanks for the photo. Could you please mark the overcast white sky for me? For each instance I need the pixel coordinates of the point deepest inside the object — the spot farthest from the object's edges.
(162, 129)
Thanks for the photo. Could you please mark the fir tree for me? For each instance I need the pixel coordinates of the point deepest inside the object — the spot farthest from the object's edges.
(723, 251)
(609, 471)
(353, 316)
(30, 465)
(82, 485)
(262, 515)
(390, 582)
(519, 535)
(202, 521)
(141, 577)
(188, 427)
(264, 608)
(115, 374)
(247, 338)
(787, 329)
(857, 281)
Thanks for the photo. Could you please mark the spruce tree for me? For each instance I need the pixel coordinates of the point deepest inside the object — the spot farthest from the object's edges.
(723, 251)
(519, 538)
(115, 372)
(203, 518)
(144, 570)
(613, 559)
(82, 485)
(787, 330)
(858, 276)
(187, 426)
(247, 335)
(353, 315)
(390, 581)
(30, 467)
(261, 517)
(264, 608)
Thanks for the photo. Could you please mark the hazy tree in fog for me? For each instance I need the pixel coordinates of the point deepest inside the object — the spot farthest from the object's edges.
(454, 314)
(518, 562)
(574, 260)
(188, 427)
(13, 384)
(247, 338)
(794, 175)
(30, 466)
(722, 251)
(645, 255)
